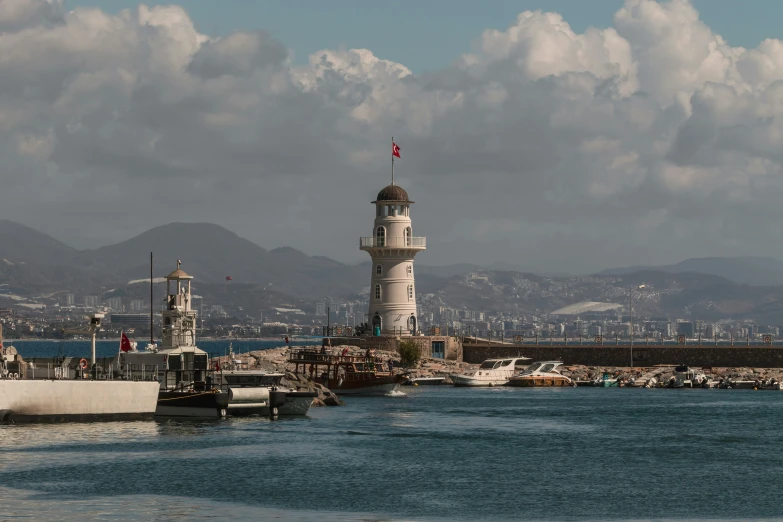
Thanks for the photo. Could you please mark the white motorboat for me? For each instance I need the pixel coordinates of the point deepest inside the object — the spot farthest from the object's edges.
(686, 377)
(492, 372)
(541, 374)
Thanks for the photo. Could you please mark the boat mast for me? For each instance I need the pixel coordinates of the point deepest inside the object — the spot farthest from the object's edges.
(152, 337)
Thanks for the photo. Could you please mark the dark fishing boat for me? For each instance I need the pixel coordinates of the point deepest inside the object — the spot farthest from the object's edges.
(345, 374)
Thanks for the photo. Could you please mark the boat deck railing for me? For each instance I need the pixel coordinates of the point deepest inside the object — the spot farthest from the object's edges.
(303, 356)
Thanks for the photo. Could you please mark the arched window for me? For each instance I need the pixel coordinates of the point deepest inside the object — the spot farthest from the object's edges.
(378, 270)
(380, 236)
(408, 236)
(409, 269)
(377, 291)
(410, 292)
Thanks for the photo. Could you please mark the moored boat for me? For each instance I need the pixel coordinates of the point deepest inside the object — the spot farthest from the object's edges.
(345, 374)
(249, 391)
(424, 381)
(186, 382)
(606, 381)
(687, 377)
(541, 374)
(70, 391)
(492, 372)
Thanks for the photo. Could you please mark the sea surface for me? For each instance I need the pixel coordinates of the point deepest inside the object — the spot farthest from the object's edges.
(71, 348)
(437, 453)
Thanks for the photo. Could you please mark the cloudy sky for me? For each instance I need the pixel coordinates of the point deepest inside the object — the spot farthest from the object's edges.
(631, 133)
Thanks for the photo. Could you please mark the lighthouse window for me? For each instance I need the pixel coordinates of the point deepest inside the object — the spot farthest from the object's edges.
(408, 236)
(410, 292)
(409, 269)
(377, 291)
(380, 236)
(379, 270)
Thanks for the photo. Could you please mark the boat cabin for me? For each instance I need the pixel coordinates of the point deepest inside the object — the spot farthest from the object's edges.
(502, 364)
(325, 366)
(543, 367)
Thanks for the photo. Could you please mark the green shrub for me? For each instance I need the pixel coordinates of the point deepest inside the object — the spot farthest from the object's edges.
(409, 354)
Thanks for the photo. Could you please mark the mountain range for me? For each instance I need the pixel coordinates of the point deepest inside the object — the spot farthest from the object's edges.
(758, 271)
(34, 264)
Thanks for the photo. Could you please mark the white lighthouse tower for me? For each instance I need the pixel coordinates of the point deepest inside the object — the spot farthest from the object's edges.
(392, 247)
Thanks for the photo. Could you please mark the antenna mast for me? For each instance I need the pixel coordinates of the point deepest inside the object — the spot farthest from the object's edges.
(152, 331)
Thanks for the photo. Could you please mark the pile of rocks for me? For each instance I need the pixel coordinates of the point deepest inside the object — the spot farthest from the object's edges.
(664, 373)
(275, 360)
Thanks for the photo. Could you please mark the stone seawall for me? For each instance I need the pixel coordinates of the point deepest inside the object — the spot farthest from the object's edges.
(643, 355)
(452, 346)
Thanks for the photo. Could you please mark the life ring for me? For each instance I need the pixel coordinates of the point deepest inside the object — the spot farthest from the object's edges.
(83, 364)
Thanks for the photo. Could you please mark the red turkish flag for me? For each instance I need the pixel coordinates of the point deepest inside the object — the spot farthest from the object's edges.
(125, 344)
(395, 150)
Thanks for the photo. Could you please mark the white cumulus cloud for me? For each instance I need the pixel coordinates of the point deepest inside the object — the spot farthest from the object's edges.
(649, 141)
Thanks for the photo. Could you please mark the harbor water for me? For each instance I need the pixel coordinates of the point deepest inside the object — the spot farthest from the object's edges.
(439, 453)
(72, 348)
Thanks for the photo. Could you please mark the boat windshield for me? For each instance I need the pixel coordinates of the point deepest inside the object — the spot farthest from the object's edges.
(532, 367)
(506, 362)
(486, 365)
(547, 367)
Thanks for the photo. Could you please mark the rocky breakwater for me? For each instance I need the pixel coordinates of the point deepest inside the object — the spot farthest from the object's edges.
(440, 368)
(275, 360)
(426, 366)
(663, 374)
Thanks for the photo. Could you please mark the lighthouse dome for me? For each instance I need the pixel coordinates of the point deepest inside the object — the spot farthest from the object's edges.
(392, 193)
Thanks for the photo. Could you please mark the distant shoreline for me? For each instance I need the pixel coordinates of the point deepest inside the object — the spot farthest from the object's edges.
(117, 339)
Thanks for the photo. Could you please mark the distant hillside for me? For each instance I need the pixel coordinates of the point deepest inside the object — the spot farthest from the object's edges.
(35, 265)
(34, 261)
(210, 253)
(760, 271)
(31, 262)
(673, 295)
(20, 243)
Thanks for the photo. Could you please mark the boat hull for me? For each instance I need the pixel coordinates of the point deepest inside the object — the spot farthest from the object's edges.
(296, 403)
(374, 386)
(204, 405)
(427, 381)
(539, 382)
(75, 400)
(465, 381)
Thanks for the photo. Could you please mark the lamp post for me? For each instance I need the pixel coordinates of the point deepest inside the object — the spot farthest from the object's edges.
(630, 313)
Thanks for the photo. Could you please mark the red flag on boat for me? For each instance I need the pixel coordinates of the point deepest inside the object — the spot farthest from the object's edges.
(228, 278)
(125, 344)
(395, 150)
(286, 339)
(217, 365)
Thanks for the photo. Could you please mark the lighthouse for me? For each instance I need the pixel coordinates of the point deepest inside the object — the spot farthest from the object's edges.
(392, 247)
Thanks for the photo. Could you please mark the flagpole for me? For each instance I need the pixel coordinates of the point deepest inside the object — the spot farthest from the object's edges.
(392, 160)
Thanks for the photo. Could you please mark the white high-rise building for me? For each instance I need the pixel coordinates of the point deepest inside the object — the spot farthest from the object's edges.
(392, 248)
